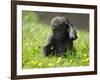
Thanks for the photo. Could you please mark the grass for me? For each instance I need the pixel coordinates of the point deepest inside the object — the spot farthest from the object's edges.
(35, 34)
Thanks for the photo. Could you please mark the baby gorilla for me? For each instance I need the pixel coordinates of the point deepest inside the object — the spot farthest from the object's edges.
(61, 39)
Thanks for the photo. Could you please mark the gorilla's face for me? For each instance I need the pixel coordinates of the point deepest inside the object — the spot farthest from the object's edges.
(62, 28)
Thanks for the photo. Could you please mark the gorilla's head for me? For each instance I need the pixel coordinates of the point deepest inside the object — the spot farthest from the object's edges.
(62, 27)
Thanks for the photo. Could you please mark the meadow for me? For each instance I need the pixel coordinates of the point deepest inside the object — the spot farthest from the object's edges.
(35, 34)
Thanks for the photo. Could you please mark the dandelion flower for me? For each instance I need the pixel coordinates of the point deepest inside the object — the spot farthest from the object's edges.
(85, 55)
(40, 64)
(50, 64)
(71, 60)
(59, 60)
(86, 60)
(34, 62)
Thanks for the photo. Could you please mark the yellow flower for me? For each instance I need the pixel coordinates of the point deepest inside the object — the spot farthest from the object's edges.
(34, 62)
(59, 59)
(40, 64)
(85, 55)
(86, 60)
(50, 64)
(71, 60)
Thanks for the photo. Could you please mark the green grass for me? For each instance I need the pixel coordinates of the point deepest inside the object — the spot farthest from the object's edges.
(35, 34)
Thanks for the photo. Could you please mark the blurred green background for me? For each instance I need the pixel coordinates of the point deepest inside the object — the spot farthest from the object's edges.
(36, 29)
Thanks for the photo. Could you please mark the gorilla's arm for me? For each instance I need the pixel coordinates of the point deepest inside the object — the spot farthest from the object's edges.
(48, 48)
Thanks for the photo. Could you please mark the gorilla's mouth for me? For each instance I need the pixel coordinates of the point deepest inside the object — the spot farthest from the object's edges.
(74, 37)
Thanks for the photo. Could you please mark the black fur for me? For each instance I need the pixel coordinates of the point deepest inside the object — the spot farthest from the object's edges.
(61, 39)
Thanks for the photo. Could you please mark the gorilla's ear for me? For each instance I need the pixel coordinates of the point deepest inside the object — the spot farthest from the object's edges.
(72, 31)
